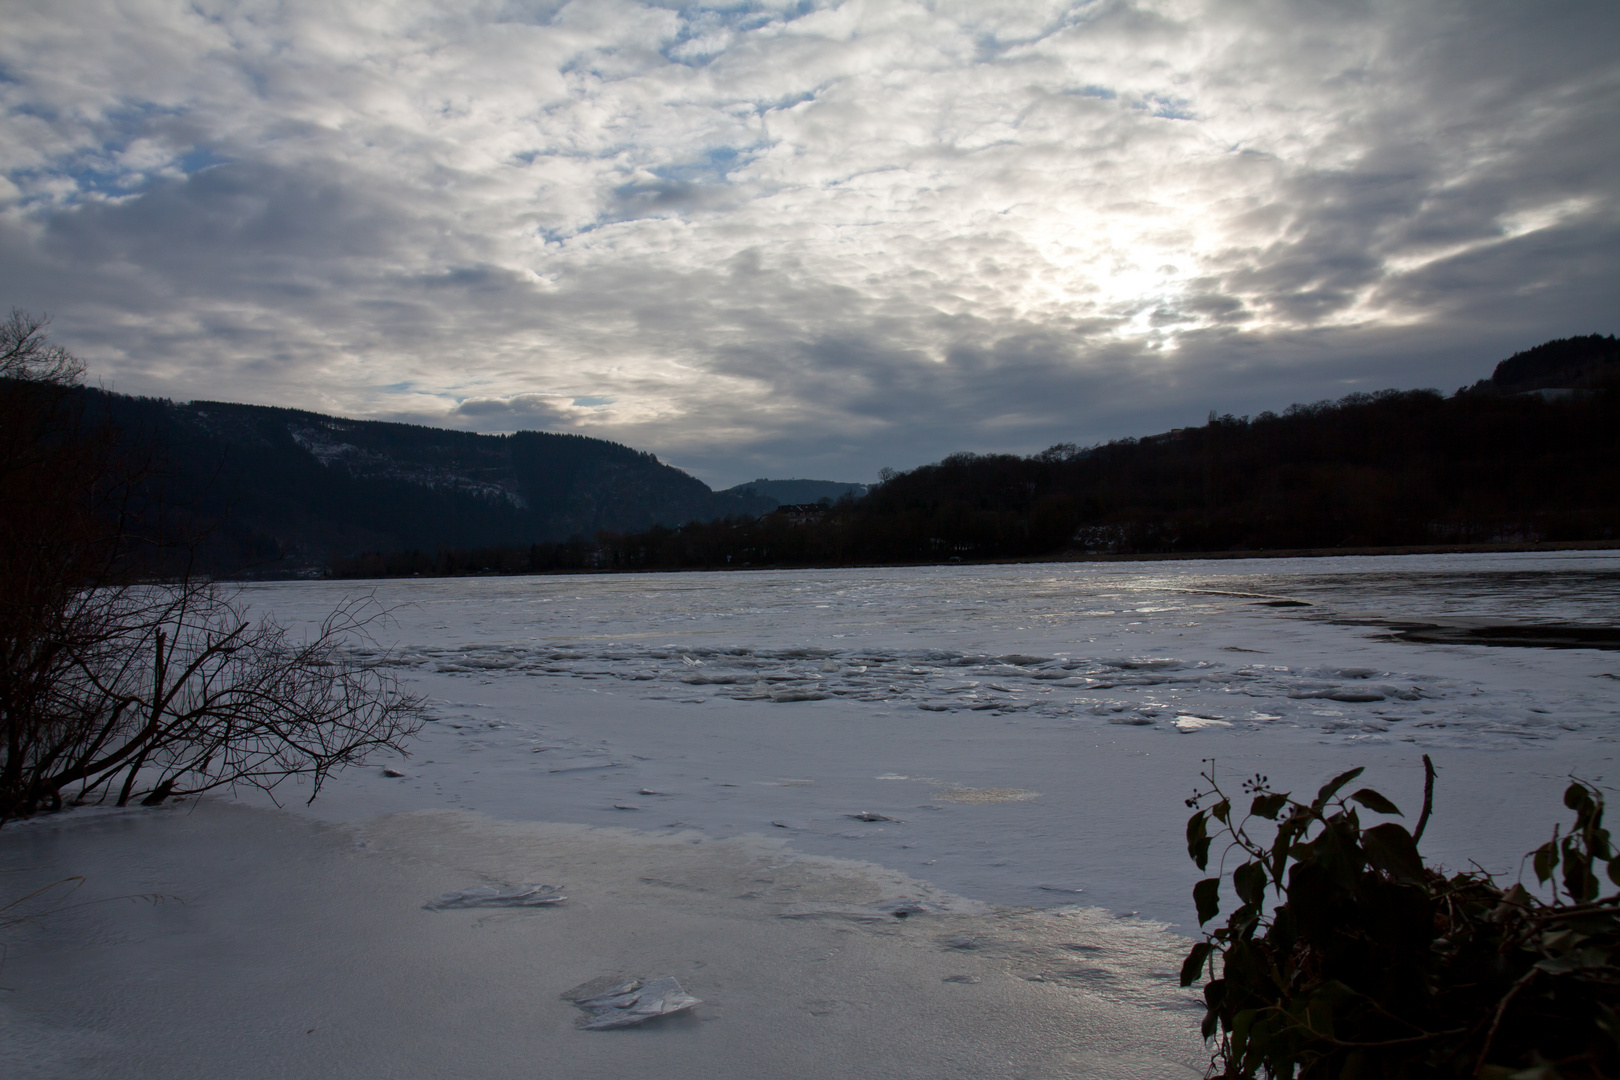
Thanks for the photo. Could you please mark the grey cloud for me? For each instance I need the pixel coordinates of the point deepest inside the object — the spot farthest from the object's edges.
(793, 241)
(232, 213)
(515, 413)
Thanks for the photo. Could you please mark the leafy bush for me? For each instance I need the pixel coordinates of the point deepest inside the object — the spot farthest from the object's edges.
(1371, 964)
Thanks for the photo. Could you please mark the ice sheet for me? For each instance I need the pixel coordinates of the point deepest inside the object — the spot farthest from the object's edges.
(1019, 736)
(285, 948)
(1141, 644)
(1028, 727)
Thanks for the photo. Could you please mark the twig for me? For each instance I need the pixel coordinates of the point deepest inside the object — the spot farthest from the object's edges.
(5, 920)
(1501, 1010)
(1425, 1037)
(1428, 798)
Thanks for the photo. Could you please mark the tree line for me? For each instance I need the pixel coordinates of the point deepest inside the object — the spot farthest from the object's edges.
(1397, 468)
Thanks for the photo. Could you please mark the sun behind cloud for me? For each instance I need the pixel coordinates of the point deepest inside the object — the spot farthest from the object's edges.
(827, 235)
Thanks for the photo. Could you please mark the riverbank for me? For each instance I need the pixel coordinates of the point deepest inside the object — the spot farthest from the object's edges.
(1494, 548)
(741, 780)
(223, 940)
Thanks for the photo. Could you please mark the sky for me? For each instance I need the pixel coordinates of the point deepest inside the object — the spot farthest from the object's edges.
(814, 238)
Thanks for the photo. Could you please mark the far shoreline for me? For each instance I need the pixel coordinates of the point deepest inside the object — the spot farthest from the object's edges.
(1493, 548)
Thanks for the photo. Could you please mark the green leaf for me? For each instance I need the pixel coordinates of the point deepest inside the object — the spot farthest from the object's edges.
(1577, 798)
(1268, 806)
(1198, 838)
(1574, 960)
(1215, 995)
(1222, 811)
(1193, 966)
(1516, 900)
(1207, 895)
(1546, 861)
(1333, 785)
(1614, 871)
(1250, 881)
(1337, 851)
(1375, 802)
(1579, 881)
(1560, 940)
(1240, 1033)
(1391, 849)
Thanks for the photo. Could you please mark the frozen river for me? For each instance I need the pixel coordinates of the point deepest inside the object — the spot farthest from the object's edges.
(1032, 729)
(738, 779)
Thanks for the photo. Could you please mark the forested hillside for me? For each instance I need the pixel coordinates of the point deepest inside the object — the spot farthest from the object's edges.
(258, 490)
(1532, 454)
(791, 492)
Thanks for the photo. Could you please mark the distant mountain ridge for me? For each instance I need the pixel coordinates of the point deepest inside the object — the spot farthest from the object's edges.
(1530, 456)
(277, 490)
(797, 492)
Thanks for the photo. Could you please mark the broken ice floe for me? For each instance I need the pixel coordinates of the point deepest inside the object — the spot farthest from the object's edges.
(1115, 689)
(798, 695)
(985, 795)
(1186, 724)
(488, 896)
(630, 1003)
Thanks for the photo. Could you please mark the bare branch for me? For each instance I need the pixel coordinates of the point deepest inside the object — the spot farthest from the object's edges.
(111, 686)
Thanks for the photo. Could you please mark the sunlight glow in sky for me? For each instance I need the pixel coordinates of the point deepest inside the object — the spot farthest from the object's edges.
(807, 238)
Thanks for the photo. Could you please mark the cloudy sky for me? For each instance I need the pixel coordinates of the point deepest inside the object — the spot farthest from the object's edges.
(810, 238)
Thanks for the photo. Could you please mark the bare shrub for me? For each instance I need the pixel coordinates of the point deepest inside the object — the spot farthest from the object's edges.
(112, 686)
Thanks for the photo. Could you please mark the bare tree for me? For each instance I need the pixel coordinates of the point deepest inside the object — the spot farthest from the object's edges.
(113, 686)
(26, 353)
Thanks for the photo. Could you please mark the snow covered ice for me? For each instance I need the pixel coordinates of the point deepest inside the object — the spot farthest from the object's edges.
(743, 779)
(1026, 726)
(1124, 642)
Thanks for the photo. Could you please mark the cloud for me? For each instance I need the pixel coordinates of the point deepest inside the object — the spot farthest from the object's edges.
(519, 412)
(807, 237)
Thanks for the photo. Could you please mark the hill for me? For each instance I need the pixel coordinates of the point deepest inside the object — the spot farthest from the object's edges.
(275, 491)
(1530, 455)
(797, 492)
(1577, 363)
